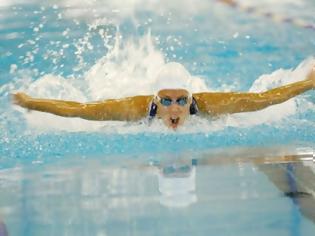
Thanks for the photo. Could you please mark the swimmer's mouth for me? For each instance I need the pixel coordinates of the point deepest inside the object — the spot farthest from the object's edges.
(174, 121)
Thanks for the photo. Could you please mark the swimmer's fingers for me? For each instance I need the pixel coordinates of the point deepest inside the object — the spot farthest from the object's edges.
(20, 99)
(311, 75)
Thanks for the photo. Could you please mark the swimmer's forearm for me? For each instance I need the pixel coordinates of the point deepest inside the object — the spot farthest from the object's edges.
(280, 94)
(130, 109)
(284, 93)
(258, 101)
(225, 103)
(57, 107)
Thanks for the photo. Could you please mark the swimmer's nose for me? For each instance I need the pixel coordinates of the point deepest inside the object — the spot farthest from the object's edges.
(174, 110)
(174, 107)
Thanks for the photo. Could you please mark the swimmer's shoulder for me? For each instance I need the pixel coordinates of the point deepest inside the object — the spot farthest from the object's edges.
(212, 103)
(140, 104)
(142, 100)
(205, 96)
(127, 108)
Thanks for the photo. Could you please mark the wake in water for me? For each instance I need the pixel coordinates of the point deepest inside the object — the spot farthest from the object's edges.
(131, 68)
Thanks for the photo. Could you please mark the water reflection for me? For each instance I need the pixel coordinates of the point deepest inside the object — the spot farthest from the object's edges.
(177, 184)
(182, 195)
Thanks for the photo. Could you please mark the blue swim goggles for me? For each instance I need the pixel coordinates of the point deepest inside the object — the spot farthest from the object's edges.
(182, 101)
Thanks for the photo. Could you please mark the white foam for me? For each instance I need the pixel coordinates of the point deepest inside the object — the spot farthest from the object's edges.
(129, 68)
(56, 87)
(282, 76)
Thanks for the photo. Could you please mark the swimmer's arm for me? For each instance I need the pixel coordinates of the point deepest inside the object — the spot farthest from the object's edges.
(225, 103)
(125, 109)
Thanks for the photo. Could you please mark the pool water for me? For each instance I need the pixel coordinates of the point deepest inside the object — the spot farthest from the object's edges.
(61, 176)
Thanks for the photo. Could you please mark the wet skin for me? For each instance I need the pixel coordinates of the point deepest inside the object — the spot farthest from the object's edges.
(175, 114)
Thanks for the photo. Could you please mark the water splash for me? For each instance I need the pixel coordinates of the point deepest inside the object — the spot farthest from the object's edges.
(129, 68)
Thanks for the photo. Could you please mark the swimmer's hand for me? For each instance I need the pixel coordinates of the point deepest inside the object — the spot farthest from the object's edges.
(21, 99)
(311, 76)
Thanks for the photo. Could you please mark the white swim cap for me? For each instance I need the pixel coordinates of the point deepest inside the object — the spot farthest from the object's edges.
(173, 75)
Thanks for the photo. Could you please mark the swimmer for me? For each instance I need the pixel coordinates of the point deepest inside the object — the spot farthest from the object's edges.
(172, 103)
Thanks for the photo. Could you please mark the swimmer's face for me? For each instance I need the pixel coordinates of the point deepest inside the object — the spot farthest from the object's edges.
(173, 106)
